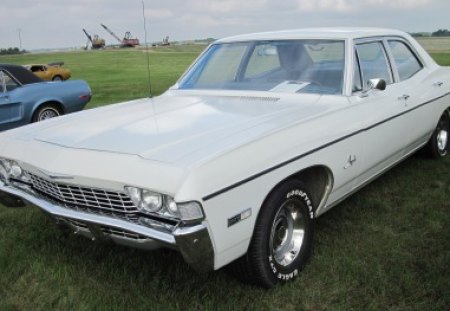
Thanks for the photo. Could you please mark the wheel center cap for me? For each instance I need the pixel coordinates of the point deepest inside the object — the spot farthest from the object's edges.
(281, 232)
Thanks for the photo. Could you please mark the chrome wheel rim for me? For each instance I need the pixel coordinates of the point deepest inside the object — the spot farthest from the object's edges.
(57, 78)
(442, 140)
(287, 234)
(48, 114)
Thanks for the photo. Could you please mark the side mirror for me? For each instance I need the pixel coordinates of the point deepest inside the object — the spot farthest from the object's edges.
(377, 84)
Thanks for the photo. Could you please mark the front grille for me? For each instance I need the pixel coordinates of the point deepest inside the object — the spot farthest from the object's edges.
(90, 198)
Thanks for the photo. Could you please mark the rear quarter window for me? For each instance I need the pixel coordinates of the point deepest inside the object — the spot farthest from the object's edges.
(406, 61)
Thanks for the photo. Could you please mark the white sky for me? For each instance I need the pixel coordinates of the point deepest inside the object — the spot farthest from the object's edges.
(58, 23)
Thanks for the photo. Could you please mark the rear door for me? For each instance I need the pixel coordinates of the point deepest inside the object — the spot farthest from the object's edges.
(419, 90)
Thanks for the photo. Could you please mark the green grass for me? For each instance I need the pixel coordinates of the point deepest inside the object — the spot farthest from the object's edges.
(435, 44)
(120, 74)
(386, 247)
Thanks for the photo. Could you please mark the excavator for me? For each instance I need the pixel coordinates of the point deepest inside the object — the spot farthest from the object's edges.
(127, 41)
(95, 41)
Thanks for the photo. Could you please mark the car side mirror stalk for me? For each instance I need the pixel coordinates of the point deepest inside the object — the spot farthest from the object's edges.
(374, 84)
(377, 84)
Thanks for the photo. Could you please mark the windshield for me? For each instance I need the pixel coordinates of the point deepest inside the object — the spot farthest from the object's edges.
(294, 66)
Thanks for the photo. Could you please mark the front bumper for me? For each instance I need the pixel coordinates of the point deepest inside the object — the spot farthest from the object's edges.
(193, 242)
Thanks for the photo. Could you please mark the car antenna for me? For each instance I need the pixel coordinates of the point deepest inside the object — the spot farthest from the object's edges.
(147, 52)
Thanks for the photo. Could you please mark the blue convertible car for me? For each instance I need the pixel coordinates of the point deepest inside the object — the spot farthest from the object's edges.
(25, 98)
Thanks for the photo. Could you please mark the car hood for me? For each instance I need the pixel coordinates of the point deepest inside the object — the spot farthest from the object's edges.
(176, 127)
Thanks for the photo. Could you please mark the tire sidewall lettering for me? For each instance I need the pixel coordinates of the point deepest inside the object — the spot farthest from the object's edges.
(304, 197)
(280, 275)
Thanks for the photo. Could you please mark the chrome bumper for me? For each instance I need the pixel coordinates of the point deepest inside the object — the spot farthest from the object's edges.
(192, 242)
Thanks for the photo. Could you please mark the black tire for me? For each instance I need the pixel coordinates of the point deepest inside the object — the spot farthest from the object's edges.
(439, 144)
(263, 265)
(57, 78)
(45, 112)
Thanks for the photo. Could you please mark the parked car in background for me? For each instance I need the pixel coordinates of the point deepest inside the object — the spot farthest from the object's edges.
(25, 98)
(264, 133)
(50, 72)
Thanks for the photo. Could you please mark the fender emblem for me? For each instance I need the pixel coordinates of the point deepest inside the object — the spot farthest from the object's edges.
(239, 217)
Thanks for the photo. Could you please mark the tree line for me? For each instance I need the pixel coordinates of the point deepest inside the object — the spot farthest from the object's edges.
(11, 51)
(437, 33)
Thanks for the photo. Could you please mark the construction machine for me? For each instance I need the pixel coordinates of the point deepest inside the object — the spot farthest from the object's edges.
(94, 40)
(165, 41)
(127, 41)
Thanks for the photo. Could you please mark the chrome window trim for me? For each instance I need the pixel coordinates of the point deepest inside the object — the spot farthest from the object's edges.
(412, 50)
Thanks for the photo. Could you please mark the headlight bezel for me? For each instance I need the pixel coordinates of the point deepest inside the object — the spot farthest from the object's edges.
(186, 212)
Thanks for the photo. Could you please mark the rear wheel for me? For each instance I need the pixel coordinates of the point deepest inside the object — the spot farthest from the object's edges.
(45, 112)
(439, 144)
(282, 240)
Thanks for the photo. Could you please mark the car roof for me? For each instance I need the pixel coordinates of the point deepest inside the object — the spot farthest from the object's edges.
(316, 33)
(21, 74)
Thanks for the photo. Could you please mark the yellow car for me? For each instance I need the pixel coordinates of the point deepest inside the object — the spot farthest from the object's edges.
(50, 72)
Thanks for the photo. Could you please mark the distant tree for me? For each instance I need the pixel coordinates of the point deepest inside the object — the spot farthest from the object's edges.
(11, 51)
(441, 33)
(420, 34)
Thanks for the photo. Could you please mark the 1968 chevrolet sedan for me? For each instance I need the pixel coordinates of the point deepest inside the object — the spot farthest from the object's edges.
(262, 134)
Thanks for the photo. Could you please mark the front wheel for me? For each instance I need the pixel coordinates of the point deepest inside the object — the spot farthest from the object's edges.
(439, 145)
(57, 78)
(45, 112)
(283, 237)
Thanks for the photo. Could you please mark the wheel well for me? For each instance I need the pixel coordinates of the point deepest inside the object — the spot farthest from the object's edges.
(318, 179)
(52, 102)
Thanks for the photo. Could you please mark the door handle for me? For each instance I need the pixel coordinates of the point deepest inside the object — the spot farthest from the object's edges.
(404, 97)
(438, 83)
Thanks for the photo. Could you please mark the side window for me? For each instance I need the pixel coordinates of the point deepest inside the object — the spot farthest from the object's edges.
(7, 83)
(405, 60)
(373, 62)
(2, 82)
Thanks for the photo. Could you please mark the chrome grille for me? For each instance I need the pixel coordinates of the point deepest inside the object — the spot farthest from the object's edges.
(84, 197)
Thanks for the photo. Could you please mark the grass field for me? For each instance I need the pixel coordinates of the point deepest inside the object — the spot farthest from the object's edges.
(386, 247)
(435, 45)
(120, 74)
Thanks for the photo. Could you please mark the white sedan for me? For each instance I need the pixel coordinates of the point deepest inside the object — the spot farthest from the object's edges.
(262, 134)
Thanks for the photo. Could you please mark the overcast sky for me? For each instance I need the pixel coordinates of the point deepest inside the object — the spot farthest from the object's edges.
(59, 23)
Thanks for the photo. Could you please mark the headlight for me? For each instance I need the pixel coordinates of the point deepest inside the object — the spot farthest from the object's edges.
(10, 169)
(150, 202)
